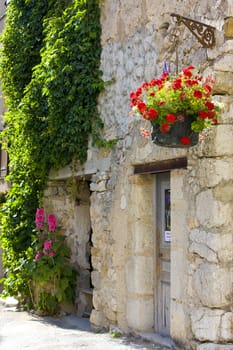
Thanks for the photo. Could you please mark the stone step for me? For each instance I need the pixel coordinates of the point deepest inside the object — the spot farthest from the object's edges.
(85, 304)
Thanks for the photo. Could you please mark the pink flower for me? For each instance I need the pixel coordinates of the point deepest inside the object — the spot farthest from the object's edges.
(47, 246)
(38, 255)
(39, 218)
(180, 118)
(51, 252)
(145, 133)
(52, 222)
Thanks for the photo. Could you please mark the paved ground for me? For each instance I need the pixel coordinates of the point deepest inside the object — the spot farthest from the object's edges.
(23, 331)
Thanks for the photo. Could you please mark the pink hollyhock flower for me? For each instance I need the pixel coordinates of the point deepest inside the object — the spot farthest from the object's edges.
(39, 218)
(38, 255)
(52, 222)
(51, 252)
(47, 246)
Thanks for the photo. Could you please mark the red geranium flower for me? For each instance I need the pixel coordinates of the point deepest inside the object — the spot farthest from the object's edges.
(197, 94)
(209, 105)
(187, 72)
(204, 114)
(207, 88)
(165, 127)
(177, 84)
(138, 92)
(171, 118)
(161, 103)
(152, 113)
(185, 140)
(141, 106)
(168, 99)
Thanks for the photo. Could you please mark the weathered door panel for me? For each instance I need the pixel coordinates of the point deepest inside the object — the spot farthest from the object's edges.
(163, 238)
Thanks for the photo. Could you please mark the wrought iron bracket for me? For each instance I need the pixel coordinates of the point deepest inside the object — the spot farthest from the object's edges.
(203, 32)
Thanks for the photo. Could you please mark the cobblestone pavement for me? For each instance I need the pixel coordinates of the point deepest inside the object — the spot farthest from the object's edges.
(24, 331)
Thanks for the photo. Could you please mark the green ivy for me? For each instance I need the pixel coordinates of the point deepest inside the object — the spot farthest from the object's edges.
(49, 66)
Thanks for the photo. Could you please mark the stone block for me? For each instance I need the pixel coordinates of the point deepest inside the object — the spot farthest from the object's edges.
(97, 300)
(210, 212)
(224, 192)
(226, 332)
(226, 105)
(206, 324)
(180, 322)
(223, 83)
(203, 251)
(143, 242)
(139, 275)
(97, 318)
(211, 346)
(213, 285)
(218, 141)
(96, 279)
(224, 140)
(225, 63)
(140, 314)
(211, 172)
(213, 247)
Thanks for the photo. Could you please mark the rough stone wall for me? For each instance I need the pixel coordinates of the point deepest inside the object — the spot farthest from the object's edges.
(135, 43)
(134, 48)
(70, 202)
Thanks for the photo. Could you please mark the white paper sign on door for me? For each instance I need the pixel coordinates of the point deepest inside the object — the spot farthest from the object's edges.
(167, 236)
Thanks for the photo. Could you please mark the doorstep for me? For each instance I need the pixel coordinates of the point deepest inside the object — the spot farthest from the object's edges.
(167, 342)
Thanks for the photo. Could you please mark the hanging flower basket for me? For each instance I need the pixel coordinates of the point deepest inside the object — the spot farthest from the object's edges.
(180, 133)
(179, 107)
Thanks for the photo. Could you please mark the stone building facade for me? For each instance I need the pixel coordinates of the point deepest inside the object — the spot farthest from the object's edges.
(111, 208)
(112, 217)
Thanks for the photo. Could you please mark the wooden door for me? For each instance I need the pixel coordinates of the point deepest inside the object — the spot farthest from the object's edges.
(163, 239)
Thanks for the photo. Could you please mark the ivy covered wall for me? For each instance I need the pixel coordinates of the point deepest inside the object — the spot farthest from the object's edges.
(49, 68)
